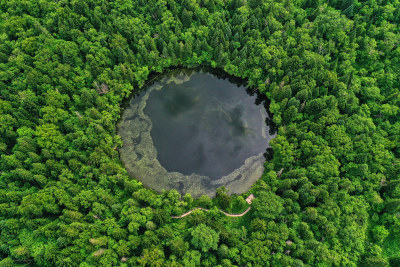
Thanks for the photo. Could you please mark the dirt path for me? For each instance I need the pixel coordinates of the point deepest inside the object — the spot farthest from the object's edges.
(227, 214)
(249, 199)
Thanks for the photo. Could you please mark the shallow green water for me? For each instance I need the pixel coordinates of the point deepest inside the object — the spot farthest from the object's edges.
(194, 133)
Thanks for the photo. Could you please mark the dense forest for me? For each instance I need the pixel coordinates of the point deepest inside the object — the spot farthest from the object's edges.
(330, 193)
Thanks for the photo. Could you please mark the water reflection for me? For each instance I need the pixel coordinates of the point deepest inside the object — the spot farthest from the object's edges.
(195, 132)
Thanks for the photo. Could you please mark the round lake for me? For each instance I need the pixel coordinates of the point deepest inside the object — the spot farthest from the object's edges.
(194, 131)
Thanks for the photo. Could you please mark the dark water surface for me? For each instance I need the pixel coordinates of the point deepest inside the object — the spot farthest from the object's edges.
(206, 125)
(195, 133)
